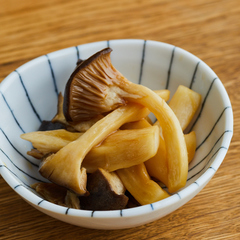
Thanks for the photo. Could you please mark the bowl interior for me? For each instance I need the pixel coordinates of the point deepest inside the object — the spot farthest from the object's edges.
(29, 95)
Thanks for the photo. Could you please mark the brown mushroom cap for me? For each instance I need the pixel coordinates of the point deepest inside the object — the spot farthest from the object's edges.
(88, 88)
(106, 192)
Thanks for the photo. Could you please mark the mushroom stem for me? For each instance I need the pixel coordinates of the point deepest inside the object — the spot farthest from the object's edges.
(172, 133)
(139, 184)
(64, 167)
(123, 149)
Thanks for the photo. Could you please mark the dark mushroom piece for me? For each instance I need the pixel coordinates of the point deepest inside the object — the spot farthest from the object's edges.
(51, 192)
(49, 125)
(57, 194)
(106, 192)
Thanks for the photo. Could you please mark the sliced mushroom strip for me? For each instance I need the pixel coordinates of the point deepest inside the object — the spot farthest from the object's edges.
(96, 87)
(139, 184)
(157, 166)
(50, 141)
(173, 135)
(191, 142)
(163, 93)
(64, 167)
(185, 103)
(123, 149)
(106, 192)
(59, 117)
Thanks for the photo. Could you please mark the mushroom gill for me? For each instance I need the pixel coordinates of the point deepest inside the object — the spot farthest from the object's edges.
(89, 92)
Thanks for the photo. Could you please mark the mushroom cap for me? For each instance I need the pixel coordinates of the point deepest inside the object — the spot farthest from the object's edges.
(106, 192)
(88, 91)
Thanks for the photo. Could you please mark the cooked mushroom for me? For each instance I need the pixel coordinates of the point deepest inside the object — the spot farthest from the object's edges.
(60, 120)
(106, 192)
(64, 167)
(57, 194)
(71, 200)
(50, 141)
(59, 117)
(138, 182)
(79, 61)
(51, 192)
(88, 90)
(35, 153)
(122, 149)
(96, 87)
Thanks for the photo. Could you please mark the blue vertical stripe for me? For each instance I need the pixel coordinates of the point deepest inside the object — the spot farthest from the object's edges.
(12, 113)
(17, 149)
(194, 75)
(170, 68)
(29, 100)
(18, 167)
(203, 104)
(142, 62)
(212, 128)
(53, 75)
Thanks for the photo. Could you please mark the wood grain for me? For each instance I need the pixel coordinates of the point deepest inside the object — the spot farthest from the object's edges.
(209, 29)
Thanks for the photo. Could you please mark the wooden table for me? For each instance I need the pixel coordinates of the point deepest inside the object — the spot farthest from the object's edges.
(207, 28)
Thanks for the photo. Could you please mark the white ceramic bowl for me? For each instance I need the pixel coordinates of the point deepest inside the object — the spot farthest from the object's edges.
(29, 95)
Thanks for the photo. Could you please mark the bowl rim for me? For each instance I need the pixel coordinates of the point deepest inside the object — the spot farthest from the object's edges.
(200, 182)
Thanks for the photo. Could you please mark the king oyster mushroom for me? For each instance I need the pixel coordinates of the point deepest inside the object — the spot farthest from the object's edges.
(96, 87)
(64, 167)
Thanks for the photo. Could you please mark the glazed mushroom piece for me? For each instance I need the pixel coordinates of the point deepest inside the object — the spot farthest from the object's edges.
(106, 192)
(94, 88)
(64, 167)
(90, 90)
